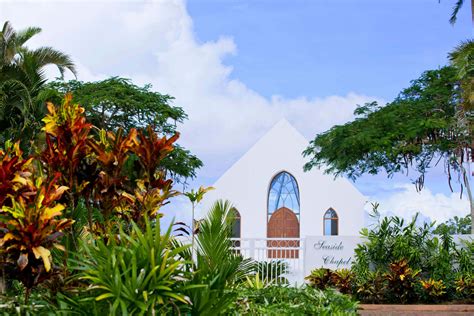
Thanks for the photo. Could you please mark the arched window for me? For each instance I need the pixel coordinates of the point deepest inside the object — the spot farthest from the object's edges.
(236, 224)
(283, 193)
(331, 222)
(283, 211)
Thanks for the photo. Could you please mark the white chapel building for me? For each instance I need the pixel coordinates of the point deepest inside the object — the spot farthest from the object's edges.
(274, 197)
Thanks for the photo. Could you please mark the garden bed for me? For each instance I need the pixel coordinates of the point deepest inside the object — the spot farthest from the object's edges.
(422, 309)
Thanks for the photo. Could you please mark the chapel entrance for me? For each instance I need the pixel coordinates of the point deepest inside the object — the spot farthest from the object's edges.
(283, 223)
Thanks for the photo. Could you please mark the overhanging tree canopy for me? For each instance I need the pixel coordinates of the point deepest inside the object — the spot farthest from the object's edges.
(415, 130)
(427, 123)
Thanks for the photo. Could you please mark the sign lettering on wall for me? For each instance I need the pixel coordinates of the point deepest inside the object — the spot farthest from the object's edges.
(333, 252)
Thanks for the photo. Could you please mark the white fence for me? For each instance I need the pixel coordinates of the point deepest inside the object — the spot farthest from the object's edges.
(277, 257)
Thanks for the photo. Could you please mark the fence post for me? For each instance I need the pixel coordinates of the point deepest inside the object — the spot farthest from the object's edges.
(303, 240)
(252, 248)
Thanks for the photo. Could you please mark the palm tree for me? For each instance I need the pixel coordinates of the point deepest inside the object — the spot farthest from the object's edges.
(457, 7)
(22, 76)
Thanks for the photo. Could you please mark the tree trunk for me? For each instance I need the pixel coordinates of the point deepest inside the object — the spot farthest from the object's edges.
(466, 176)
(192, 231)
(3, 281)
(472, 19)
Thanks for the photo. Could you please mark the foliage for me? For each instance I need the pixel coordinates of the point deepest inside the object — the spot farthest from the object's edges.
(31, 228)
(457, 6)
(371, 287)
(401, 281)
(116, 103)
(216, 266)
(416, 127)
(14, 172)
(320, 278)
(22, 78)
(395, 256)
(434, 290)
(465, 286)
(95, 166)
(428, 122)
(455, 226)
(343, 280)
(286, 300)
(390, 240)
(137, 274)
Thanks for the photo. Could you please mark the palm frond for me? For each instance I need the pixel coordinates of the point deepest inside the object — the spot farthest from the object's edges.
(24, 35)
(462, 58)
(49, 56)
(454, 14)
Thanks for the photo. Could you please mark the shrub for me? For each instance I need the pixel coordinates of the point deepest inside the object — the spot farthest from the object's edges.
(371, 288)
(137, 273)
(343, 279)
(217, 268)
(465, 286)
(285, 300)
(433, 290)
(319, 278)
(401, 282)
(31, 227)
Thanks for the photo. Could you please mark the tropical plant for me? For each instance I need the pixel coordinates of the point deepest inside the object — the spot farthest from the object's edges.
(320, 278)
(116, 103)
(401, 282)
(137, 274)
(457, 6)
(371, 287)
(288, 300)
(343, 280)
(31, 228)
(465, 286)
(391, 239)
(434, 290)
(216, 266)
(94, 167)
(195, 197)
(21, 80)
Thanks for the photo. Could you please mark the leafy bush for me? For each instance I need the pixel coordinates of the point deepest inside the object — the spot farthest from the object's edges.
(371, 288)
(343, 279)
(217, 268)
(395, 256)
(401, 282)
(136, 274)
(465, 286)
(285, 300)
(319, 278)
(433, 290)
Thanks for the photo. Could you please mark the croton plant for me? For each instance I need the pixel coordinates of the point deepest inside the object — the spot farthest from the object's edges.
(114, 173)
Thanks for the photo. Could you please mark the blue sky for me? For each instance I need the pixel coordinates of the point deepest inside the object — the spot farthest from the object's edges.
(315, 48)
(238, 67)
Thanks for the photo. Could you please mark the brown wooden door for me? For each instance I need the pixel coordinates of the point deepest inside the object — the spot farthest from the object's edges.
(283, 223)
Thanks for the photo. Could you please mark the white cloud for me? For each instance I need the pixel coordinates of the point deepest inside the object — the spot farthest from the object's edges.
(406, 202)
(154, 41)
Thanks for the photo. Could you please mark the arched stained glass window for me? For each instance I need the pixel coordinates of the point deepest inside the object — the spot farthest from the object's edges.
(283, 193)
(331, 223)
